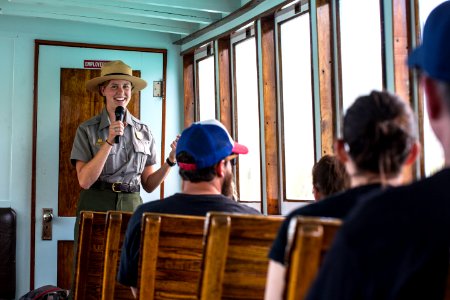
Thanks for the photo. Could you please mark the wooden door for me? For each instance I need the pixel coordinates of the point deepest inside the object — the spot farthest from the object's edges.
(76, 105)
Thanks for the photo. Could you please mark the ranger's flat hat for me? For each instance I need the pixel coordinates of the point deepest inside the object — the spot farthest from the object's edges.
(116, 69)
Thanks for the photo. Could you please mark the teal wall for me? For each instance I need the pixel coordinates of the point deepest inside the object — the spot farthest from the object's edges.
(17, 37)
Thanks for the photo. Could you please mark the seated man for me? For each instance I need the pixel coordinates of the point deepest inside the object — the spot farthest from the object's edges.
(395, 245)
(205, 154)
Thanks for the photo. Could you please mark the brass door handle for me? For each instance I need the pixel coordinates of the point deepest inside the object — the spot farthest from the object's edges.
(48, 217)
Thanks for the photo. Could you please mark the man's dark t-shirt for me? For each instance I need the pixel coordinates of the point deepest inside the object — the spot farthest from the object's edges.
(183, 204)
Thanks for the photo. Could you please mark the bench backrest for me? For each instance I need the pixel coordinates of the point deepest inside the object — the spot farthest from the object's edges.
(90, 256)
(236, 255)
(309, 238)
(100, 241)
(116, 226)
(171, 256)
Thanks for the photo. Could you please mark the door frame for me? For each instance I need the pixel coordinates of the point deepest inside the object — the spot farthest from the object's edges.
(37, 45)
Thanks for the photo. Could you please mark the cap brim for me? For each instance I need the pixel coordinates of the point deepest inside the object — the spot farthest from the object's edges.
(138, 83)
(239, 149)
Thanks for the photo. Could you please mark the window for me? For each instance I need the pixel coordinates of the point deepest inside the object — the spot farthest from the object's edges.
(360, 46)
(324, 59)
(296, 106)
(248, 172)
(432, 149)
(205, 84)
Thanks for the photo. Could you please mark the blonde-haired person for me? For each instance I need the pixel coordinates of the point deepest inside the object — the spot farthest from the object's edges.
(104, 167)
(379, 140)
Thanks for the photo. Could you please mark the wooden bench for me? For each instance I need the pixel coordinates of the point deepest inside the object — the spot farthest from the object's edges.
(236, 255)
(309, 238)
(116, 226)
(100, 239)
(171, 256)
(90, 255)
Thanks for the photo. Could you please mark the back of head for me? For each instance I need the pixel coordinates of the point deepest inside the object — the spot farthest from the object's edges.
(329, 176)
(201, 147)
(196, 175)
(379, 131)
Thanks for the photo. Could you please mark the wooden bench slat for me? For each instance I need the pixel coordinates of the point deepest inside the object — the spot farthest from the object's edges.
(100, 241)
(308, 240)
(235, 260)
(171, 256)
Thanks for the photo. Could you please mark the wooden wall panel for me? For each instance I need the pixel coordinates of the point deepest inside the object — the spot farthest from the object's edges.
(420, 92)
(189, 89)
(226, 116)
(327, 102)
(401, 41)
(65, 264)
(270, 113)
(400, 29)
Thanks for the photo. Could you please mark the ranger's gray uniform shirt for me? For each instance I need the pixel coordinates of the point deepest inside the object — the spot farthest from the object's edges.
(127, 160)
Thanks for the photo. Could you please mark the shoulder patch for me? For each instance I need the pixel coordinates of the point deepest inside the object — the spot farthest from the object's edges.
(139, 125)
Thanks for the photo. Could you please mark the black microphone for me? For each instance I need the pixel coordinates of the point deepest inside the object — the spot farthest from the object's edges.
(119, 112)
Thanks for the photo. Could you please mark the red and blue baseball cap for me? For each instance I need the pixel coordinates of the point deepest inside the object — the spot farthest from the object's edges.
(432, 56)
(208, 142)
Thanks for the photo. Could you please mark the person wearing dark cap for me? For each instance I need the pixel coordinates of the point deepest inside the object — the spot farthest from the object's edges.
(205, 154)
(111, 173)
(395, 244)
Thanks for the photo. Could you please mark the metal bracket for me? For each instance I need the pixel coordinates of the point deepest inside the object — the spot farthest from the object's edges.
(157, 88)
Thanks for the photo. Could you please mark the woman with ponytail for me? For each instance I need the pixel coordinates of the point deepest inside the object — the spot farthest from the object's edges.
(379, 139)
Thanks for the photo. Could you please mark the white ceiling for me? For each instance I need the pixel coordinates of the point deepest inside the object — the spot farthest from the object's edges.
(181, 17)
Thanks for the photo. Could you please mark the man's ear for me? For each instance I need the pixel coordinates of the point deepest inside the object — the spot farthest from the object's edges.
(316, 194)
(413, 153)
(339, 150)
(434, 101)
(220, 168)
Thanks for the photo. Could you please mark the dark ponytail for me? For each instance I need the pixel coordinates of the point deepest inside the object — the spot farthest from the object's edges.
(379, 130)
